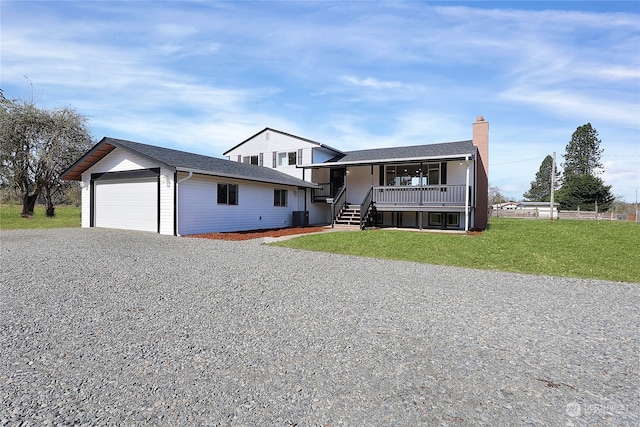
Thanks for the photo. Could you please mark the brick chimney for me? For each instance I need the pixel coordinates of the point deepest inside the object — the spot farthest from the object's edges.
(481, 140)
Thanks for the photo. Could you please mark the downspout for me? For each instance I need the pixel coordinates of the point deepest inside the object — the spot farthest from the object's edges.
(466, 198)
(177, 201)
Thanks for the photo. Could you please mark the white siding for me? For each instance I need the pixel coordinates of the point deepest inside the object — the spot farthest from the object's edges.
(120, 160)
(199, 211)
(166, 201)
(319, 213)
(268, 142)
(358, 183)
(457, 173)
(116, 161)
(85, 193)
(321, 155)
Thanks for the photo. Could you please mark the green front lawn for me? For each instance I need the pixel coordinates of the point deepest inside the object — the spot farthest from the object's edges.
(66, 216)
(608, 250)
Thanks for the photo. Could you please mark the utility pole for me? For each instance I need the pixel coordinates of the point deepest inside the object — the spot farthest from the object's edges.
(553, 184)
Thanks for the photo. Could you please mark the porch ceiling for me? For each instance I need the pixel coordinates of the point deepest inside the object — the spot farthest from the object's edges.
(333, 165)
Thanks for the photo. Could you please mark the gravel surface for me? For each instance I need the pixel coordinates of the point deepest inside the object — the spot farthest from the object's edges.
(105, 327)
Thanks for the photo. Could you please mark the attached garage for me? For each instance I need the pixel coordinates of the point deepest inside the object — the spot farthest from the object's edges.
(133, 186)
(126, 200)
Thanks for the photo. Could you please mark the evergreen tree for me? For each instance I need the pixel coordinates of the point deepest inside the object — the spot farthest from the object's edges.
(586, 192)
(582, 154)
(581, 187)
(540, 190)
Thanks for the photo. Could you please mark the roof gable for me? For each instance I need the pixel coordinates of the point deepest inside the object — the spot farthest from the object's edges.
(268, 129)
(181, 160)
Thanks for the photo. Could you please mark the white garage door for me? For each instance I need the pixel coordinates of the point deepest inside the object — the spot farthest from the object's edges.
(130, 204)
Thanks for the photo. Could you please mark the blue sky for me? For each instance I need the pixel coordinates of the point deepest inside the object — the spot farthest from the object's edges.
(202, 76)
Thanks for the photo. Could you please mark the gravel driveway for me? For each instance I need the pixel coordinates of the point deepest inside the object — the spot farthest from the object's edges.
(105, 327)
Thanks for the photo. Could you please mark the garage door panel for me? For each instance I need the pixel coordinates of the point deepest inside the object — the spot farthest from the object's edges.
(130, 204)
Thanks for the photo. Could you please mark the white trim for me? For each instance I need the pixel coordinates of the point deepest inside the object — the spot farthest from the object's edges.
(245, 178)
(388, 161)
(466, 200)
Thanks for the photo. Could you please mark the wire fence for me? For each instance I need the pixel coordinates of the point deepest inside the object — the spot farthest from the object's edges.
(544, 214)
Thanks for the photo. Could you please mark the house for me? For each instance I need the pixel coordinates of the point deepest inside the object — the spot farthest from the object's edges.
(287, 153)
(506, 205)
(441, 185)
(539, 209)
(129, 185)
(274, 179)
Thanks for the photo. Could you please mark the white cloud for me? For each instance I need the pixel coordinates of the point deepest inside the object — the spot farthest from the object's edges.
(206, 75)
(620, 72)
(371, 83)
(577, 104)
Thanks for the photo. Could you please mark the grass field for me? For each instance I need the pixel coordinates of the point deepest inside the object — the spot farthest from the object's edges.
(66, 216)
(606, 250)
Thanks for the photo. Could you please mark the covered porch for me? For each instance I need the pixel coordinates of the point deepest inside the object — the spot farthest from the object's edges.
(435, 182)
(416, 206)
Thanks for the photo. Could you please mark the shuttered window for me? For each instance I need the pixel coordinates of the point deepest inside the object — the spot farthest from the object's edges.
(251, 160)
(287, 158)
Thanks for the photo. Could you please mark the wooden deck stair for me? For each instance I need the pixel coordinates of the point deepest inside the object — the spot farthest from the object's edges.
(349, 215)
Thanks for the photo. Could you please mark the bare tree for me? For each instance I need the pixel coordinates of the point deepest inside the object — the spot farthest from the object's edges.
(495, 195)
(36, 145)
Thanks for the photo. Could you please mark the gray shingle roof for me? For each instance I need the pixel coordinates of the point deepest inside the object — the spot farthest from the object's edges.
(184, 161)
(441, 150)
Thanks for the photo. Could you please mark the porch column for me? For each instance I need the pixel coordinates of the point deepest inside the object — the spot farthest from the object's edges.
(372, 175)
(346, 172)
(421, 193)
(466, 199)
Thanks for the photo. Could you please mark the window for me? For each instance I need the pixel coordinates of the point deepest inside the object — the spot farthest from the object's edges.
(227, 194)
(447, 219)
(409, 174)
(286, 159)
(252, 160)
(453, 220)
(433, 173)
(279, 197)
(435, 218)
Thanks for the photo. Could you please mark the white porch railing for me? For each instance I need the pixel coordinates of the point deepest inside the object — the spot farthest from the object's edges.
(434, 195)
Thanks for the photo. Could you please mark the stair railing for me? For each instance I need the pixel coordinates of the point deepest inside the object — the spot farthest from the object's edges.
(364, 207)
(338, 203)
